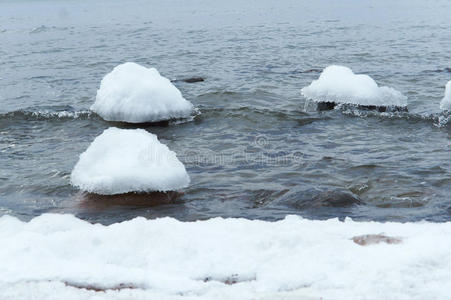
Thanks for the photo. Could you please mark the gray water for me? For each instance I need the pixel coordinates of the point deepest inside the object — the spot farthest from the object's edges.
(256, 149)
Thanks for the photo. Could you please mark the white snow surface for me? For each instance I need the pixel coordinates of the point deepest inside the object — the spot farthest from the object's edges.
(128, 160)
(446, 101)
(136, 94)
(53, 256)
(339, 84)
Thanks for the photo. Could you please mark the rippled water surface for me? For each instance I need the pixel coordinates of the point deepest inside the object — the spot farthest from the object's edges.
(257, 149)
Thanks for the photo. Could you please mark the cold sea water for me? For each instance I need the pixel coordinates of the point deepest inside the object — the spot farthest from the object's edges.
(257, 148)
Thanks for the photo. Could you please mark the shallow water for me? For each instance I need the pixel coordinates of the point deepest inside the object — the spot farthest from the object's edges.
(256, 146)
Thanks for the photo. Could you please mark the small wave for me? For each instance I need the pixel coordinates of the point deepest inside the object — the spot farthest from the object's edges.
(440, 120)
(444, 70)
(47, 114)
(389, 109)
(230, 95)
(62, 114)
(194, 115)
(38, 29)
(220, 94)
(443, 120)
(308, 71)
(247, 112)
(357, 111)
(44, 28)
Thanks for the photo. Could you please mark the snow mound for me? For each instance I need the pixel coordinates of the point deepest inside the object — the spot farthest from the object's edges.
(121, 161)
(56, 256)
(340, 85)
(136, 94)
(446, 101)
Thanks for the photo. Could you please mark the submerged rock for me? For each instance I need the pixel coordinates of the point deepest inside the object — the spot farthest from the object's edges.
(340, 85)
(336, 199)
(316, 199)
(132, 93)
(120, 161)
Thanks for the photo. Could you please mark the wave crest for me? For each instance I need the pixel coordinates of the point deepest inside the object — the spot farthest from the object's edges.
(47, 114)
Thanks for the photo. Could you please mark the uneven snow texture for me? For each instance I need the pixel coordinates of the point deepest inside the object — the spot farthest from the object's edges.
(164, 258)
(136, 94)
(446, 101)
(128, 160)
(340, 85)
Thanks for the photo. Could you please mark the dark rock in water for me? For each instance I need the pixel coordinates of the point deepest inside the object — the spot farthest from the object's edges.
(335, 199)
(193, 79)
(383, 108)
(190, 80)
(317, 199)
(127, 125)
(312, 71)
(325, 106)
(95, 202)
(321, 106)
(260, 198)
(444, 70)
(371, 239)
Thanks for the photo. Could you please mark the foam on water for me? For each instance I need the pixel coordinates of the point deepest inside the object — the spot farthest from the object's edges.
(136, 94)
(339, 84)
(121, 161)
(60, 114)
(443, 120)
(440, 120)
(47, 114)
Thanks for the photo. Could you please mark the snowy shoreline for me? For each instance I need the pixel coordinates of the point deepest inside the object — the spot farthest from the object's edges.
(55, 256)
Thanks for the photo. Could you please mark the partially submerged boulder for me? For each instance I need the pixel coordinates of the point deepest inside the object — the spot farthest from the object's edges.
(312, 198)
(339, 85)
(132, 93)
(189, 80)
(336, 198)
(96, 202)
(121, 161)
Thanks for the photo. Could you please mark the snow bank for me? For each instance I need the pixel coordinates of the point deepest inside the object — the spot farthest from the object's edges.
(52, 256)
(446, 101)
(120, 161)
(340, 85)
(136, 94)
